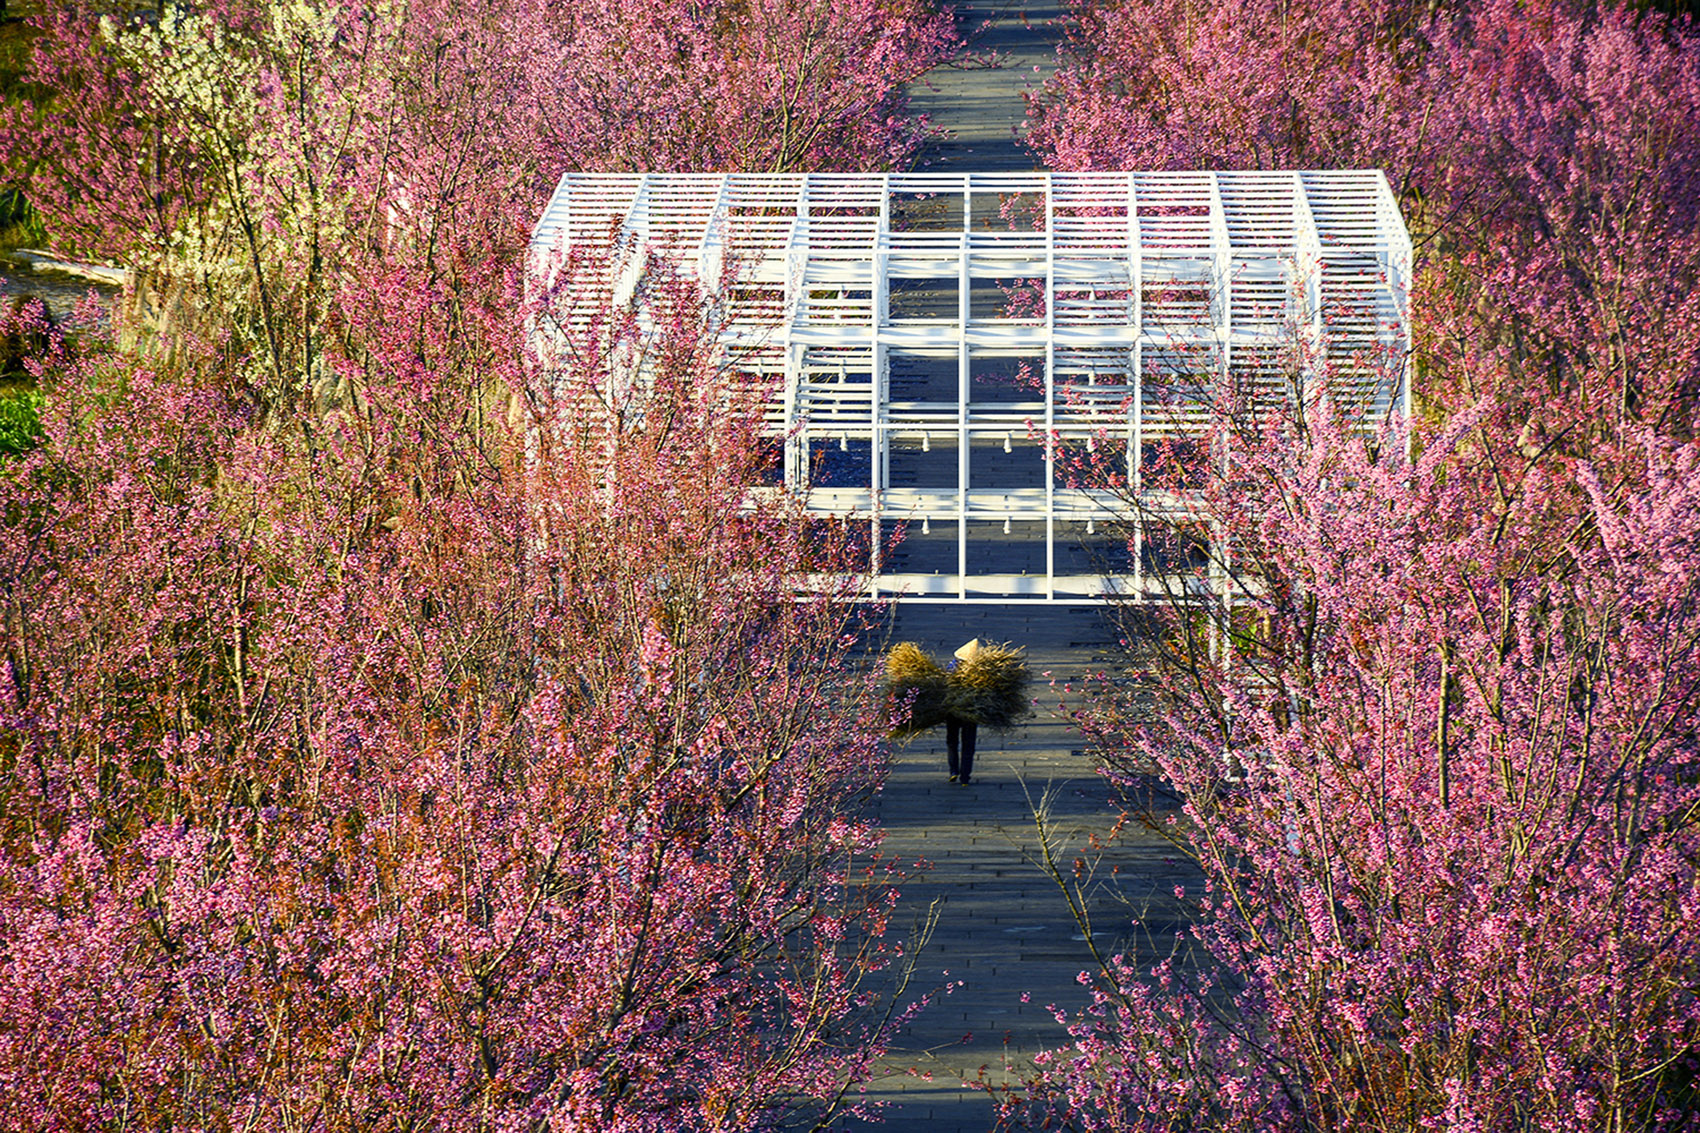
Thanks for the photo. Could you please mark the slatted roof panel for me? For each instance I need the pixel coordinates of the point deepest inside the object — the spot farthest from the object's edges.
(871, 307)
(1152, 214)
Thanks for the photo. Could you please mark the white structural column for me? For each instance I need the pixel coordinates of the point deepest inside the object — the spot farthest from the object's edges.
(983, 366)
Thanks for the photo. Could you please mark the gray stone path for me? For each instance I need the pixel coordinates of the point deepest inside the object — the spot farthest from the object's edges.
(1003, 927)
(982, 108)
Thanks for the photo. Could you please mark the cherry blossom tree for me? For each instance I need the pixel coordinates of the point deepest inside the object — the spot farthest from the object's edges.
(1435, 736)
(409, 766)
(1438, 763)
(392, 736)
(1543, 154)
(256, 160)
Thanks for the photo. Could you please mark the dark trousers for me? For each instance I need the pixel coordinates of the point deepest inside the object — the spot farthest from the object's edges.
(959, 746)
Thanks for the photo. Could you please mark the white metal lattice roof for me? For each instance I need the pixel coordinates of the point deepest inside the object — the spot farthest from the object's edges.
(885, 300)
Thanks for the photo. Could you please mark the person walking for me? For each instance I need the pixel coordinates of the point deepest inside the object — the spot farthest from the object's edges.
(985, 684)
(961, 730)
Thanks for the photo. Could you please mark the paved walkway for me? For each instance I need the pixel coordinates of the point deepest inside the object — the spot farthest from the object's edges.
(982, 107)
(1004, 932)
(1005, 942)
(1003, 927)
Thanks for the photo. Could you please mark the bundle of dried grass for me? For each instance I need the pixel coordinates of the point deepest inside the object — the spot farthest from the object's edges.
(989, 687)
(913, 677)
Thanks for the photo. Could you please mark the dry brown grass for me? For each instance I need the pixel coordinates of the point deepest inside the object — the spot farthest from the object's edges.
(990, 688)
(911, 673)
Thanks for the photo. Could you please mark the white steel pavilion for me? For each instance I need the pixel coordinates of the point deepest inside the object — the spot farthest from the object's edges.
(938, 342)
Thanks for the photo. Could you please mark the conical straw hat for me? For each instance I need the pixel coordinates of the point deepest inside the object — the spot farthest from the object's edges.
(969, 650)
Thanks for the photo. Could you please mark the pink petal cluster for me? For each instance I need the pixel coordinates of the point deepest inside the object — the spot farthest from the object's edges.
(1439, 755)
(426, 766)
(395, 734)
